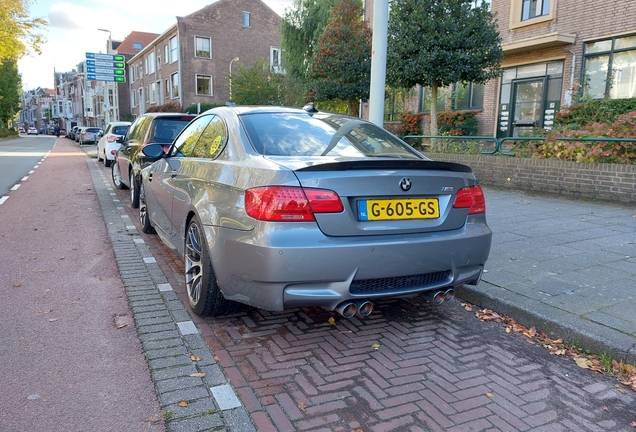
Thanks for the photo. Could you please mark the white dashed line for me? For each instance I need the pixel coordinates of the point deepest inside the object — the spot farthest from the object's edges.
(25, 178)
(150, 260)
(15, 187)
(3, 199)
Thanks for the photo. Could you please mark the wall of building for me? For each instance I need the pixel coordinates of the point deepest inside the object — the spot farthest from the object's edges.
(609, 182)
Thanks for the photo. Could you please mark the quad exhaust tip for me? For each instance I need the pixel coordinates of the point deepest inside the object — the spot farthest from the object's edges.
(439, 297)
(349, 308)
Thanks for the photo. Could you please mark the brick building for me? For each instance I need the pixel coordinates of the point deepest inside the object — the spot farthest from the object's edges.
(554, 50)
(189, 62)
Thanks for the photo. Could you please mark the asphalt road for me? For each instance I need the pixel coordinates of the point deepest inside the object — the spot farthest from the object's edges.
(20, 155)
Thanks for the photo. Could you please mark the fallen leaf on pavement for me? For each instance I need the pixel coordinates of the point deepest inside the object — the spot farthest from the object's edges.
(216, 358)
(16, 285)
(198, 374)
(195, 358)
(468, 307)
(582, 362)
(182, 403)
(302, 406)
(375, 346)
(53, 319)
(605, 408)
(490, 395)
(558, 342)
(621, 389)
(332, 320)
(633, 424)
(121, 326)
(46, 311)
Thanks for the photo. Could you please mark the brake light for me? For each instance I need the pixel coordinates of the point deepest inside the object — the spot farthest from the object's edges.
(290, 204)
(111, 138)
(471, 197)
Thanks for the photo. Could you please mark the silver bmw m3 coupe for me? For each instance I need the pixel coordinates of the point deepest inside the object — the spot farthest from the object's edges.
(280, 207)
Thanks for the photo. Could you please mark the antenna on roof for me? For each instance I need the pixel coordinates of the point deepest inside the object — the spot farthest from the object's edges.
(310, 108)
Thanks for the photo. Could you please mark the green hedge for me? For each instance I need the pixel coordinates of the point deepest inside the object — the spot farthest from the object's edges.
(457, 123)
(594, 111)
(8, 133)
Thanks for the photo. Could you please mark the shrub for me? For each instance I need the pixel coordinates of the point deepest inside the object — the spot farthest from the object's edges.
(395, 128)
(192, 109)
(167, 107)
(8, 133)
(594, 111)
(457, 123)
(411, 123)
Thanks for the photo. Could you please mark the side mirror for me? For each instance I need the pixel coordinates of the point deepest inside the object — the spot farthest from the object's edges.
(154, 151)
(120, 139)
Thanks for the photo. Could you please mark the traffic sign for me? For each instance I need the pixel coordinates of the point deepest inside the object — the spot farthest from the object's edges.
(105, 67)
(100, 56)
(104, 77)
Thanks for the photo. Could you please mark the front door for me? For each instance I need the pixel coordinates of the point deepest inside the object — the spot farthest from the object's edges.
(528, 106)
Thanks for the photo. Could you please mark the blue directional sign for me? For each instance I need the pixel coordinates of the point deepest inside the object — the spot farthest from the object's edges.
(105, 67)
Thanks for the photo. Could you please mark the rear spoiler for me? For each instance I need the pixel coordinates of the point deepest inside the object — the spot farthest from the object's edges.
(388, 164)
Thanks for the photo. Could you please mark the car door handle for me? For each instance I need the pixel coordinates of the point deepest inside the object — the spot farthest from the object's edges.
(173, 174)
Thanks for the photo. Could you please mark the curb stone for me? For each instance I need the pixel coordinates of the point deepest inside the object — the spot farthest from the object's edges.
(166, 331)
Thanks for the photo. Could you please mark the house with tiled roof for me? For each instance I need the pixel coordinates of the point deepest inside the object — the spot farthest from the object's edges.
(190, 61)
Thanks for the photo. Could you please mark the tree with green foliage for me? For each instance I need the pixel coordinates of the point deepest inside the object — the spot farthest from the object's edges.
(18, 32)
(261, 85)
(435, 43)
(10, 90)
(300, 30)
(341, 68)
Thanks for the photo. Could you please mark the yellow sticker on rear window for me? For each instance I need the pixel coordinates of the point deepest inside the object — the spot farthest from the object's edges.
(215, 145)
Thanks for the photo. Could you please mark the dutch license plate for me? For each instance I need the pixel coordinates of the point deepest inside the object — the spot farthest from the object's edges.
(394, 209)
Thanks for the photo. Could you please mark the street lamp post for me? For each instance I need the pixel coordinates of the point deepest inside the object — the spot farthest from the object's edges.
(233, 60)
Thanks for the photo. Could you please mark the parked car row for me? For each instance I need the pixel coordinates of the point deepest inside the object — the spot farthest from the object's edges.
(279, 208)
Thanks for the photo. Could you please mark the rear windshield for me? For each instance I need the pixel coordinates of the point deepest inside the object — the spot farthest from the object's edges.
(292, 134)
(167, 129)
(119, 130)
(94, 130)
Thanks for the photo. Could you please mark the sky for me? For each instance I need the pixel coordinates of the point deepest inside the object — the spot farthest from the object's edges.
(73, 24)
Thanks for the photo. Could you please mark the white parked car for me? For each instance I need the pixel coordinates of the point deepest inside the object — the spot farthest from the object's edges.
(108, 145)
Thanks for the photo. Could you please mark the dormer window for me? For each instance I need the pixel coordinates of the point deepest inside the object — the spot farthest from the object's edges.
(138, 46)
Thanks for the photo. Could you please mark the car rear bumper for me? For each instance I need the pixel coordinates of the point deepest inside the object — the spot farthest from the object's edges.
(296, 267)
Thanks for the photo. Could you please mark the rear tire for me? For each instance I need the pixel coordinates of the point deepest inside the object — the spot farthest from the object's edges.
(204, 295)
(107, 162)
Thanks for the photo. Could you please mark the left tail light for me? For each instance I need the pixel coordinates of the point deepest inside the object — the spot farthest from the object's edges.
(111, 138)
(290, 204)
(471, 197)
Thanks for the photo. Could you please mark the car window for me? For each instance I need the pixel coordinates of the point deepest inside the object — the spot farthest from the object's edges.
(212, 140)
(108, 128)
(144, 126)
(134, 132)
(290, 134)
(92, 130)
(188, 139)
(165, 130)
(119, 130)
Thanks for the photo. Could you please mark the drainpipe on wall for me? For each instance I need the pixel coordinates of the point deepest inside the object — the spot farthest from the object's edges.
(568, 93)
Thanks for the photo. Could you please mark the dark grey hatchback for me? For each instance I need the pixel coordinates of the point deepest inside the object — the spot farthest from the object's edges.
(279, 207)
(149, 128)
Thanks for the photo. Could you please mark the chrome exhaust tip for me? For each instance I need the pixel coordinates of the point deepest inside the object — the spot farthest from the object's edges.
(365, 307)
(435, 297)
(449, 294)
(347, 309)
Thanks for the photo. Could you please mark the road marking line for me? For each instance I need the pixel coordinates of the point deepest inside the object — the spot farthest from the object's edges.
(3, 199)
(15, 187)
(25, 178)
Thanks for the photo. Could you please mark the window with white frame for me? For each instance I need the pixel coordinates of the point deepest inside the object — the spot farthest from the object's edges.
(202, 47)
(132, 99)
(534, 8)
(167, 88)
(165, 53)
(174, 82)
(174, 49)
(152, 92)
(246, 19)
(204, 85)
(131, 72)
(274, 59)
(147, 94)
(151, 62)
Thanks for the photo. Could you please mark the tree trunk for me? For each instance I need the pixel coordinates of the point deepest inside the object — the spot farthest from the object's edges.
(353, 107)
